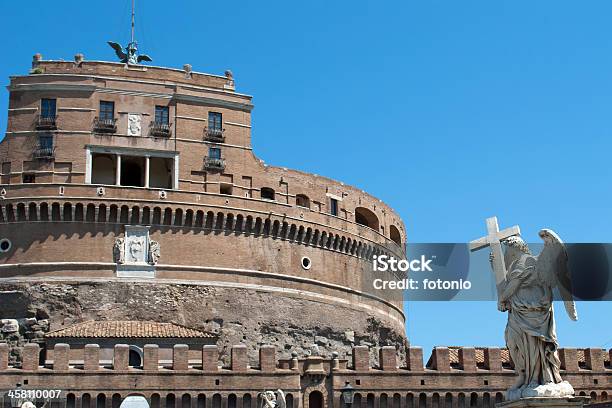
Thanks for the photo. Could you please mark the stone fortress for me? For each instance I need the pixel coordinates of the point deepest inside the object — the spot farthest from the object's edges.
(145, 249)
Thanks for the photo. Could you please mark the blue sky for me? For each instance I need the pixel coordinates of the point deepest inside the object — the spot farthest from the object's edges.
(449, 111)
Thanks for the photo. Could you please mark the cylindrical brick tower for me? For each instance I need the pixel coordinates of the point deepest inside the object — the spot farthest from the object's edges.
(132, 193)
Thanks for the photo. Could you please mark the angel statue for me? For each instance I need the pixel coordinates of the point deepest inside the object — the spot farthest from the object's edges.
(526, 293)
(130, 55)
(271, 399)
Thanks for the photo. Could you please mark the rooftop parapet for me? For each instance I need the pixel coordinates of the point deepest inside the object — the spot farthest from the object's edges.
(113, 69)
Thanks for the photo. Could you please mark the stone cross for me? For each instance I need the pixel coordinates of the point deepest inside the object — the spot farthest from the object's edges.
(493, 240)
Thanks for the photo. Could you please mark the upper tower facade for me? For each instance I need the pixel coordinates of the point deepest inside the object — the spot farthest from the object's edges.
(112, 171)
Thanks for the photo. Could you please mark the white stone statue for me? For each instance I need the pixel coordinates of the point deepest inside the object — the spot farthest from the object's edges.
(271, 399)
(526, 293)
(119, 251)
(154, 252)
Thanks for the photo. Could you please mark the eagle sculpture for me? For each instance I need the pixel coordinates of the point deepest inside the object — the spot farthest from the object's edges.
(129, 56)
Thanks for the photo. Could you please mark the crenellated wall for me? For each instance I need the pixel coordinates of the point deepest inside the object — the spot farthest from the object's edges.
(186, 381)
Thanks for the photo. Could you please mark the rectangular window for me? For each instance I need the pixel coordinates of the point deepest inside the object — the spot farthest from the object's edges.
(162, 115)
(215, 120)
(47, 108)
(45, 142)
(214, 153)
(107, 110)
(333, 206)
(29, 178)
(225, 189)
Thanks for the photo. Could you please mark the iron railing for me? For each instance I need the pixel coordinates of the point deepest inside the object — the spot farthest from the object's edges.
(214, 163)
(160, 129)
(214, 134)
(104, 125)
(44, 152)
(46, 122)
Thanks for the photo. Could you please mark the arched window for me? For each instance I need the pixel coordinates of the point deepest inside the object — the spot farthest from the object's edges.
(155, 401)
(116, 401)
(397, 401)
(370, 401)
(461, 400)
(409, 400)
(135, 357)
(231, 401)
(363, 216)
(435, 400)
(473, 400)
(70, 401)
(448, 400)
(422, 400)
(486, 400)
(247, 400)
(395, 235)
(216, 401)
(101, 401)
(267, 193)
(170, 401)
(86, 401)
(315, 399)
(382, 401)
(186, 401)
(302, 200)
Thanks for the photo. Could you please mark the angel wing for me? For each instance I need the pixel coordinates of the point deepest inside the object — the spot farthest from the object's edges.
(118, 50)
(552, 264)
(144, 57)
(280, 399)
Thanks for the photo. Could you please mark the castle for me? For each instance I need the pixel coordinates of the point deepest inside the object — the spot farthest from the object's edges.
(145, 249)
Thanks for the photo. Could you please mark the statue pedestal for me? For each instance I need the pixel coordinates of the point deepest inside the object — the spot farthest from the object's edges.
(545, 402)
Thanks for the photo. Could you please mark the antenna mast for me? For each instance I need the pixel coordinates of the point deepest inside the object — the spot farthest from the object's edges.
(132, 40)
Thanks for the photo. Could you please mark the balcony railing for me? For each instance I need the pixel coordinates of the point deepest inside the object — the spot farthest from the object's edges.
(160, 129)
(46, 122)
(44, 152)
(105, 125)
(213, 163)
(214, 135)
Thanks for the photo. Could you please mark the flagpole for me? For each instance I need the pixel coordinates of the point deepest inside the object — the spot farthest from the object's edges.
(132, 21)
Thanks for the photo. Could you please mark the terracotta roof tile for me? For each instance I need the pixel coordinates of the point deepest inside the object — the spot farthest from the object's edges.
(127, 329)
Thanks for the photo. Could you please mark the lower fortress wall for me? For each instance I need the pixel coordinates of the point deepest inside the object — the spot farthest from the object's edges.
(235, 315)
(204, 383)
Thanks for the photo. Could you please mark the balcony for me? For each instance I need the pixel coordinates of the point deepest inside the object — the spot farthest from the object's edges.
(213, 163)
(160, 129)
(46, 122)
(214, 135)
(44, 152)
(105, 125)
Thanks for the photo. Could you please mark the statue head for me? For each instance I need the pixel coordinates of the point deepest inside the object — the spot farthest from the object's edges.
(515, 248)
(517, 243)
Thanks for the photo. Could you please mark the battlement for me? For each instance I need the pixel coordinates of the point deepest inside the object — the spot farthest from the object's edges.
(80, 66)
(442, 360)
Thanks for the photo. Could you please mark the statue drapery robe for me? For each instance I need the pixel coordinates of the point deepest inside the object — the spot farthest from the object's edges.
(530, 332)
